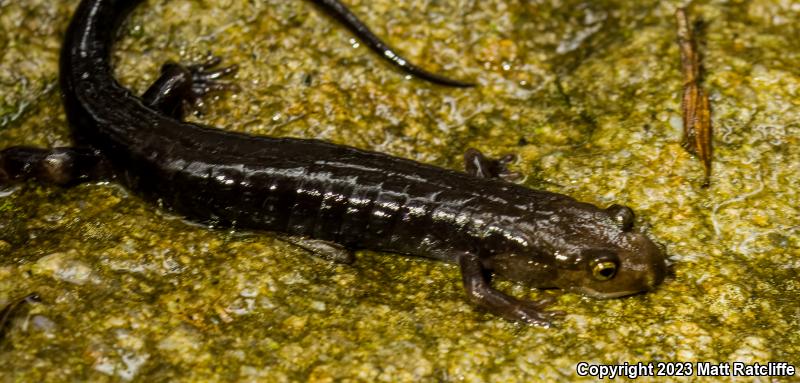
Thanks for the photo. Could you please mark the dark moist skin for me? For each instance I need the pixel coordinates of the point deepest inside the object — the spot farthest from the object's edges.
(330, 199)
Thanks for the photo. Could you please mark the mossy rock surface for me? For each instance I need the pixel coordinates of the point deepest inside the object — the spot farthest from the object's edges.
(586, 92)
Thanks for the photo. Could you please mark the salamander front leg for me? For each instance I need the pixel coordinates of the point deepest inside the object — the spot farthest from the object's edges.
(60, 166)
(179, 84)
(481, 166)
(480, 292)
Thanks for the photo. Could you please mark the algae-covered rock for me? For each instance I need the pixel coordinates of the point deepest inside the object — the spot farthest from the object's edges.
(586, 92)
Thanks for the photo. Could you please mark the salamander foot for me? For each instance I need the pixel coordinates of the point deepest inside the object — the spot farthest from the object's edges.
(187, 84)
(206, 76)
(481, 166)
(533, 312)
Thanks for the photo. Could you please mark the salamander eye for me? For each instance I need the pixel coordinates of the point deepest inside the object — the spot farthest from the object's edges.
(622, 215)
(604, 270)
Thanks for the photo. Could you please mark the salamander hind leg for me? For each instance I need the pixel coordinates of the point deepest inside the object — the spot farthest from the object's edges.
(479, 165)
(481, 293)
(182, 84)
(60, 166)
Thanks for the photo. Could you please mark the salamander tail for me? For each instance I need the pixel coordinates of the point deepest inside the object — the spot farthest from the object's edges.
(338, 10)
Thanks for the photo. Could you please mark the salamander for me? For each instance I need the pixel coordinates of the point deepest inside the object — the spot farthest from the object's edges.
(329, 198)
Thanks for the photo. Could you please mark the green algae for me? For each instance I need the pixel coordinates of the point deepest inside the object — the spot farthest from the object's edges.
(587, 92)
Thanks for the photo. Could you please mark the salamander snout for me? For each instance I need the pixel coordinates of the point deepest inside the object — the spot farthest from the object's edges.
(653, 261)
(639, 255)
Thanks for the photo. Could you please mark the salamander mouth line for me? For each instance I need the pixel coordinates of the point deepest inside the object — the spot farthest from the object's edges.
(598, 295)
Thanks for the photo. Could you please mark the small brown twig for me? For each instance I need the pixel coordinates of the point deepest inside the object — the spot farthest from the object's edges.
(697, 129)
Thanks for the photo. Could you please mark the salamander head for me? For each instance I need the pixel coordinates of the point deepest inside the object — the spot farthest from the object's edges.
(601, 256)
(589, 250)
